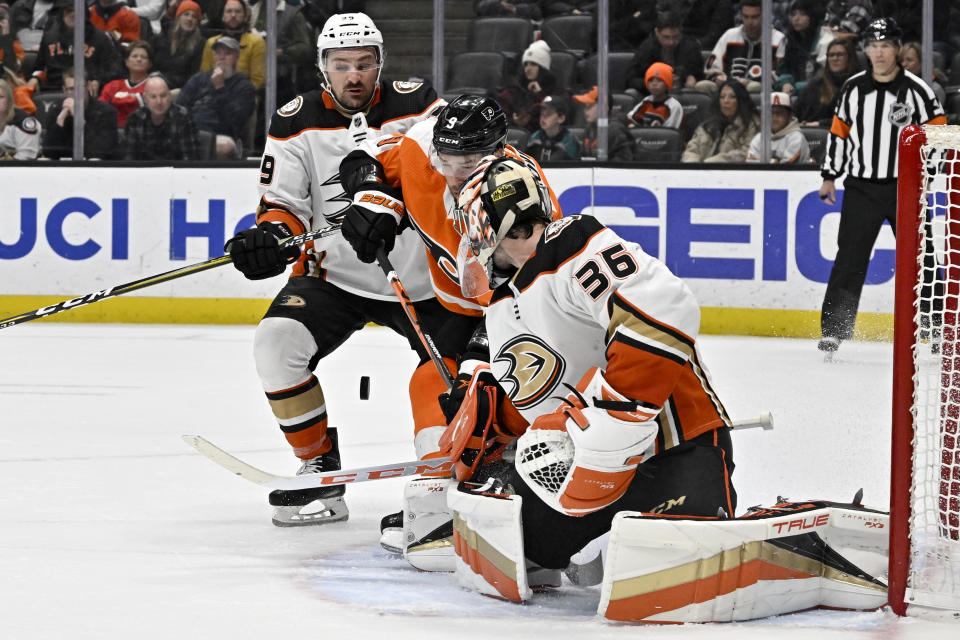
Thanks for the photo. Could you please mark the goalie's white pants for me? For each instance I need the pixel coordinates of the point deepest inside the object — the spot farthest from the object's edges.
(664, 570)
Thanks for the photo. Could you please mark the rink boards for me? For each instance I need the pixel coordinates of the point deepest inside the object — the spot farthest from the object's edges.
(755, 246)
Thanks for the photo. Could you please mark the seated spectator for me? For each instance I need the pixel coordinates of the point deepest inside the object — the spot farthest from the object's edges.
(726, 135)
(211, 16)
(671, 46)
(253, 50)
(29, 19)
(151, 11)
(567, 7)
(659, 109)
(126, 94)
(11, 51)
(737, 53)
(803, 34)
(160, 130)
(911, 59)
(521, 99)
(787, 144)
(221, 100)
(631, 22)
(296, 49)
(522, 109)
(102, 61)
(849, 16)
(703, 20)
(117, 20)
(488, 8)
(553, 141)
(19, 131)
(816, 102)
(99, 126)
(620, 144)
(180, 48)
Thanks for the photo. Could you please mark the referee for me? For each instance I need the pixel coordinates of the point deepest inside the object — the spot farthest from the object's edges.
(874, 105)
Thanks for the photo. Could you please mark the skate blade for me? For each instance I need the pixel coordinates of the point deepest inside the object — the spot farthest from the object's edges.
(315, 513)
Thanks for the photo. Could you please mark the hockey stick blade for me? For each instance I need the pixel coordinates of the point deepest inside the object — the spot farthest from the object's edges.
(149, 281)
(763, 421)
(312, 480)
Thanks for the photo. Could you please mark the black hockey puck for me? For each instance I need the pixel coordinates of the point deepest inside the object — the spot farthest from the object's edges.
(364, 387)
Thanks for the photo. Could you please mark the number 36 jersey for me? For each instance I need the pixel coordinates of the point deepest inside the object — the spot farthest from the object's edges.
(300, 184)
(588, 298)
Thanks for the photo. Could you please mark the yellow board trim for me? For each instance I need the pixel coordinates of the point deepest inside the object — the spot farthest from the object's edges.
(140, 309)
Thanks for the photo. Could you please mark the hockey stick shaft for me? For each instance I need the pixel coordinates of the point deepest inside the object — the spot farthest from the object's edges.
(763, 421)
(407, 304)
(167, 276)
(312, 480)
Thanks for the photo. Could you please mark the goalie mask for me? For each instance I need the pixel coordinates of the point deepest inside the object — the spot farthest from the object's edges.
(349, 31)
(501, 194)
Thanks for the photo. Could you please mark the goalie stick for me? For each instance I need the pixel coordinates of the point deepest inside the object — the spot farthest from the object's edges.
(312, 480)
(167, 276)
(364, 474)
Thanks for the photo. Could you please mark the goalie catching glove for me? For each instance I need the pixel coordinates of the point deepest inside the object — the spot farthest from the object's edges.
(257, 253)
(583, 456)
(473, 435)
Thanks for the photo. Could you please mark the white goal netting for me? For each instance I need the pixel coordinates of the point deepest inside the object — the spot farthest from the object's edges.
(934, 564)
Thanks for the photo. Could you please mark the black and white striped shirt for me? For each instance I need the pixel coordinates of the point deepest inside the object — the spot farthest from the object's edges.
(867, 123)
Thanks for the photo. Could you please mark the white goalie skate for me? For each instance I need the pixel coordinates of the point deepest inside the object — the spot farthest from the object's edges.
(423, 531)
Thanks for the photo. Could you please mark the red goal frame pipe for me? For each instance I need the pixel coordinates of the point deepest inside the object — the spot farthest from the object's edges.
(909, 189)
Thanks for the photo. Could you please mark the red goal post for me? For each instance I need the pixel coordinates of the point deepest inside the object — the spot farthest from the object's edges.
(924, 572)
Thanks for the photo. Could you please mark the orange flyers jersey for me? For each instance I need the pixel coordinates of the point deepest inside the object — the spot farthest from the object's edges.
(407, 164)
(588, 298)
(300, 185)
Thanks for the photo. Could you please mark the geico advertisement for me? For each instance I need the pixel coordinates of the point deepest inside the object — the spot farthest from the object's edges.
(740, 238)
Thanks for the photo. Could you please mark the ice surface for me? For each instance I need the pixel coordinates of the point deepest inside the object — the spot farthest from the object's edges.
(111, 527)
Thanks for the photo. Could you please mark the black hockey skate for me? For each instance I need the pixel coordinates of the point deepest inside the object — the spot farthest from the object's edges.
(319, 505)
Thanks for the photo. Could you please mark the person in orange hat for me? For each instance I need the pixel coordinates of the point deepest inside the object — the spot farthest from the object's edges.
(620, 145)
(659, 109)
(179, 50)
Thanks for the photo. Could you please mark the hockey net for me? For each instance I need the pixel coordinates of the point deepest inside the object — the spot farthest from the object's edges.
(925, 473)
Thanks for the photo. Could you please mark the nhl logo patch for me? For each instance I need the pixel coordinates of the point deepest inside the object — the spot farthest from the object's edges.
(405, 86)
(900, 114)
(291, 107)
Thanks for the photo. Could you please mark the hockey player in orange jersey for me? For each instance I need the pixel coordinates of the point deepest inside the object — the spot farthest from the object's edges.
(424, 170)
(330, 294)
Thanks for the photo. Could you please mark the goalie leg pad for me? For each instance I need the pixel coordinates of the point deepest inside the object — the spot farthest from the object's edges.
(488, 538)
(810, 555)
(428, 525)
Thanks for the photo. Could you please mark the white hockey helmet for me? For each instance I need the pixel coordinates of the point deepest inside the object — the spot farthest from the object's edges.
(348, 31)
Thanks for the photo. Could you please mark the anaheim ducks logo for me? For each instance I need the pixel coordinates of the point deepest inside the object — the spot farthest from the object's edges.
(533, 370)
(291, 107)
(291, 301)
(404, 86)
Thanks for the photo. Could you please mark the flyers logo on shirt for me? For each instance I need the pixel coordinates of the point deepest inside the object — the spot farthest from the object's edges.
(534, 370)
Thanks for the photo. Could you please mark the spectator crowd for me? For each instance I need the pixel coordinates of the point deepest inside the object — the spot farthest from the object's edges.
(185, 79)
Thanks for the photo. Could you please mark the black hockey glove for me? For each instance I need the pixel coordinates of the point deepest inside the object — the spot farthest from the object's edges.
(373, 219)
(257, 253)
